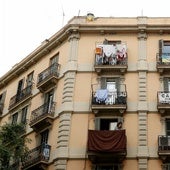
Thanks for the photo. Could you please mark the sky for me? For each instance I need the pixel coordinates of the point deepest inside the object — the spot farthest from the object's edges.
(25, 24)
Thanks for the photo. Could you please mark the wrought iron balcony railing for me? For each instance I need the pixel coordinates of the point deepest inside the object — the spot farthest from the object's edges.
(42, 111)
(104, 97)
(164, 143)
(112, 61)
(19, 97)
(53, 70)
(36, 155)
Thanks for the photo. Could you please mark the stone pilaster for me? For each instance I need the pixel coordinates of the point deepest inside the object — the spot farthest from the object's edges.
(68, 91)
(143, 164)
(62, 154)
(73, 41)
(63, 141)
(60, 164)
(142, 68)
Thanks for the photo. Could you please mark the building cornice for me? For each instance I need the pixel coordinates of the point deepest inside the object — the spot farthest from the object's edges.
(80, 25)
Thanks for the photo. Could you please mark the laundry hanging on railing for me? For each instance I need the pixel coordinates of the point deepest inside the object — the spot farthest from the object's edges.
(101, 95)
(110, 54)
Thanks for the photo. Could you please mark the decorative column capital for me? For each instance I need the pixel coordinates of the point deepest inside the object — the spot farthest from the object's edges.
(74, 35)
(142, 35)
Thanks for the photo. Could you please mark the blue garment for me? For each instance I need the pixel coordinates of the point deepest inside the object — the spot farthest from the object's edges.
(101, 95)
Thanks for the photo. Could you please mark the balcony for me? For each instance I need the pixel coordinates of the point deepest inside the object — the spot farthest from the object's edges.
(163, 101)
(21, 97)
(48, 78)
(112, 58)
(104, 100)
(163, 62)
(37, 158)
(42, 116)
(107, 146)
(164, 147)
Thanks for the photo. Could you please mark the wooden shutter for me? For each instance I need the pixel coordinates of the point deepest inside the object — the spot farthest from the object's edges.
(2, 100)
(20, 86)
(168, 127)
(97, 123)
(24, 115)
(29, 79)
(14, 118)
(54, 59)
(161, 44)
(103, 82)
(117, 80)
(166, 80)
(44, 137)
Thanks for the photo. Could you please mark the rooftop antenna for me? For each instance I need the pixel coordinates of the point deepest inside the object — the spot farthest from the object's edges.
(63, 15)
(78, 13)
(142, 12)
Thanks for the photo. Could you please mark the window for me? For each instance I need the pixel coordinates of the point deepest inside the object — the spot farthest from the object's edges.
(20, 86)
(109, 83)
(44, 137)
(49, 100)
(54, 59)
(112, 85)
(24, 115)
(2, 97)
(164, 46)
(53, 64)
(106, 123)
(2, 100)
(19, 90)
(164, 51)
(14, 118)
(29, 79)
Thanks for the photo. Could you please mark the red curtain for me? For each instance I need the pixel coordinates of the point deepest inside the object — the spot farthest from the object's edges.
(106, 141)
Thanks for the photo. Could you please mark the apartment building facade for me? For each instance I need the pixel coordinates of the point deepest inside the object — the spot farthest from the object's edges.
(77, 86)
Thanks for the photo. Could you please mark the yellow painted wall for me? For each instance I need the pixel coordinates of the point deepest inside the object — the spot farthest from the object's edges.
(83, 87)
(79, 131)
(131, 126)
(78, 165)
(131, 82)
(153, 86)
(130, 164)
(154, 164)
(154, 129)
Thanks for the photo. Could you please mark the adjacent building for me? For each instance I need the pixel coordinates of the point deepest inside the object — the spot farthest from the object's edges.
(78, 86)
